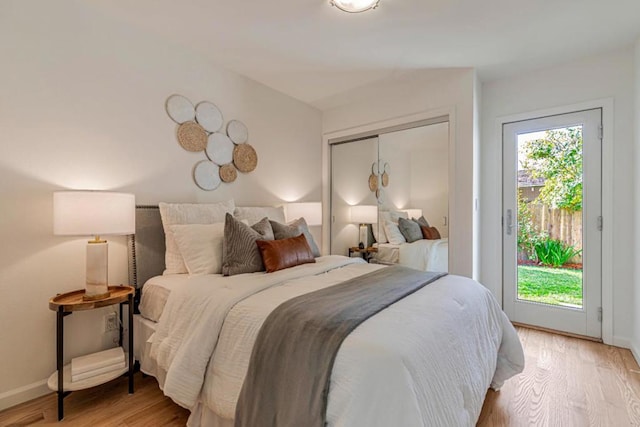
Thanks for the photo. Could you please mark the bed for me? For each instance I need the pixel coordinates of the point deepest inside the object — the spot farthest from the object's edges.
(396, 245)
(427, 359)
(426, 255)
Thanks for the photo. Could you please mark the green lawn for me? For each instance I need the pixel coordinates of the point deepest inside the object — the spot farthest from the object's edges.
(557, 286)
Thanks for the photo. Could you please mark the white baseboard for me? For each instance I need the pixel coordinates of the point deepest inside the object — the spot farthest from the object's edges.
(23, 394)
(621, 342)
(635, 350)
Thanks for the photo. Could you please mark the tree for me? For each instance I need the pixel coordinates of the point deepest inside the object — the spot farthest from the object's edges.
(558, 159)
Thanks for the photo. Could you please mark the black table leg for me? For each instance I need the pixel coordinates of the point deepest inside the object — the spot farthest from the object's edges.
(130, 311)
(60, 359)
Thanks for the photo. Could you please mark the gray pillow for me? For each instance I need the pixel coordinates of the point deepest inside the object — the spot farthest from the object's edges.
(410, 230)
(240, 253)
(294, 229)
(422, 221)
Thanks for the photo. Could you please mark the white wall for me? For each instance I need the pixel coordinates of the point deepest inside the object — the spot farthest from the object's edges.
(439, 90)
(635, 341)
(608, 75)
(82, 106)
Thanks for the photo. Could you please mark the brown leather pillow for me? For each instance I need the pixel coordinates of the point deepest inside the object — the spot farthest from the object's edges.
(285, 253)
(430, 233)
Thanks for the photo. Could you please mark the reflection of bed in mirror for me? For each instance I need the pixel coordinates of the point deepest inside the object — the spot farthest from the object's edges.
(396, 245)
(426, 255)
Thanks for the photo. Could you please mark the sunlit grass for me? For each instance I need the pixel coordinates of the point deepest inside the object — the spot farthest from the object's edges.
(557, 286)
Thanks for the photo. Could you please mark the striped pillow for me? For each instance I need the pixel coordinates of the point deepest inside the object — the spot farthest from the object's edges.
(240, 253)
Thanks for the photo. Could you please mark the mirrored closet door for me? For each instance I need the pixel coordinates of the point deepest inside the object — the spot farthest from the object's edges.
(351, 164)
(398, 173)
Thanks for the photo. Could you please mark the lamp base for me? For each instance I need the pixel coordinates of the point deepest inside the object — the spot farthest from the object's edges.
(96, 286)
(96, 297)
(364, 236)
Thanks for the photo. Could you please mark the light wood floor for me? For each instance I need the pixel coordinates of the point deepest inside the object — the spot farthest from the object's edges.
(567, 382)
(102, 406)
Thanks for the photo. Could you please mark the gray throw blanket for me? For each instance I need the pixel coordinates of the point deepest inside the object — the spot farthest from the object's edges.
(287, 382)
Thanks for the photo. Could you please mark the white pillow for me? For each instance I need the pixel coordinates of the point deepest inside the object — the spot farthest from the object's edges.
(187, 213)
(200, 246)
(392, 216)
(393, 233)
(255, 214)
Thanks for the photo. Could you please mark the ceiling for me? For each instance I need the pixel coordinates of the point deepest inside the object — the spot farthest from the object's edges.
(312, 51)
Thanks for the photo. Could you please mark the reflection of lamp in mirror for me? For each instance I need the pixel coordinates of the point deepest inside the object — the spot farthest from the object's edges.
(413, 213)
(94, 213)
(365, 215)
(311, 212)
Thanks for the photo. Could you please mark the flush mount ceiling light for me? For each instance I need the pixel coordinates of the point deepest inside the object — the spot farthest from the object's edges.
(354, 6)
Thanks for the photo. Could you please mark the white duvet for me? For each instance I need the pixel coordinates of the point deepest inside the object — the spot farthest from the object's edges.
(425, 255)
(426, 360)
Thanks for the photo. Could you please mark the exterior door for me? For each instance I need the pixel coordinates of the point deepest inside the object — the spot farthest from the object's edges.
(552, 223)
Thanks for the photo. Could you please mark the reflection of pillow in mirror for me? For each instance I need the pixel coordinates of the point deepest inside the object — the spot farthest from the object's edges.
(422, 221)
(430, 233)
(200, 246)
(393, 233)
(410, 230)
(392, 216)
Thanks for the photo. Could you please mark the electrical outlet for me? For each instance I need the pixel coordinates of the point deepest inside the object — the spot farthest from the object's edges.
(111, 322)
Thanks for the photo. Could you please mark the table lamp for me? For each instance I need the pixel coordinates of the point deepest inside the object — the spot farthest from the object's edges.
(364, 215)
(94, 213)
(311, 212)
(413, 213)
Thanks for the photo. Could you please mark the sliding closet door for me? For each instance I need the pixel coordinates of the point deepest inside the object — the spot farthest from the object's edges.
(417, 163)
(350, 169)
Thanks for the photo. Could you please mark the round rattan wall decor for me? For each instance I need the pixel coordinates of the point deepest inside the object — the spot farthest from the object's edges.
(206, 175)
(180, 109)
(237, 131)
(209, 116)
(245, 158)
(220, 149)
(192, 137)
(385, 175)
(228, 173)
(226, 149)
(373, 182)
(385, 179)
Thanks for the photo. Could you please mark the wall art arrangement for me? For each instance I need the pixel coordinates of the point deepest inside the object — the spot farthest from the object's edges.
(200, 129)
(379, 178)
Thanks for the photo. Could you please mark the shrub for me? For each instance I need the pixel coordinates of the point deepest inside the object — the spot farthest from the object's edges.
(528, 234)
(555, 252)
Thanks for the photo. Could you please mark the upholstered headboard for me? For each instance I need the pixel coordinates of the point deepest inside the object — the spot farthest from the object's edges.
(146, 247)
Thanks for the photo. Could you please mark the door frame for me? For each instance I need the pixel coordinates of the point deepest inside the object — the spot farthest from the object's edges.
(607, 106)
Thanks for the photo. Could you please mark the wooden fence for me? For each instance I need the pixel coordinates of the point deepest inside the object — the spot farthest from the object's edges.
(559, 224)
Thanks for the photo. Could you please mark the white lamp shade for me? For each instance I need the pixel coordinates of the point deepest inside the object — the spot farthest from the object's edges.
(364, 214)
(311, 212)
(413, 213)
(93, 213)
